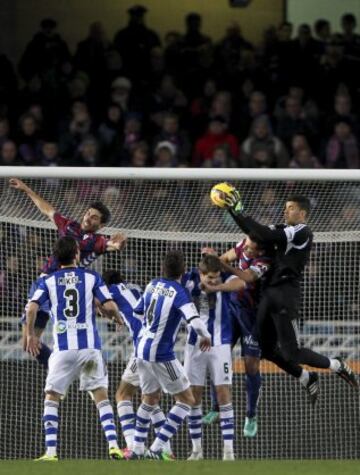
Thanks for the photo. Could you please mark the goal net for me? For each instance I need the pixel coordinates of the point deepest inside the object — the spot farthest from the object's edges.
(162, 210)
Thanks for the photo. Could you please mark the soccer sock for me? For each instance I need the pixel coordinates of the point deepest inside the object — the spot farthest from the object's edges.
(143, 416)
(106, 414)
(213, 398)
(227, 426)
(335, 365)
(126, 415)
(173, 421)
(253, 384)
(304, 377)
(44, 355)
(157, 419)
(195, 427)
(51, 425)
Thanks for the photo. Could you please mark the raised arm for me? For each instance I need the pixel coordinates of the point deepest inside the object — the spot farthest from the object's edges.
(44, 207)
(230, 256)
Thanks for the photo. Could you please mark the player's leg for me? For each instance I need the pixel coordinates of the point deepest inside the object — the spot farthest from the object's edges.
(150, 388)
(251, 352)
(221, 374)
(173, 379)
(195, 366)
(286, 323)
(63, 370)
(128, 386)
(94, 378)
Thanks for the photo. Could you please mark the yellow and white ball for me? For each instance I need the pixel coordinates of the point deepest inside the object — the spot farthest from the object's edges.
(219, 193)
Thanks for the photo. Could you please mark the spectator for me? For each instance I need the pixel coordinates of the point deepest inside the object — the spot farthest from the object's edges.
(216, 134)
(168, 98)
(4, 130)
(293, 121)
(165, 155)
(29, 140)
(139, 155)
(349, 39)
(46, 53)
(77, 128)
(304, 158)
(110, 134)
(135, 42)
(49, 154)
(195, 55)
(272, 153)
(121, 93)
(299, 142)
(222, 106)
(178, 138)
(132, 134)
(342, 149)
(9, 155)
(322, 30)
(342, 110)
(221, 158)
(255, 107)
(91, 57)
(200, 107)
(8, 85)
(88, 153)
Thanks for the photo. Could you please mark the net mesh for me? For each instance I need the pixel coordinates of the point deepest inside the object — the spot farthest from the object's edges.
(159, 215)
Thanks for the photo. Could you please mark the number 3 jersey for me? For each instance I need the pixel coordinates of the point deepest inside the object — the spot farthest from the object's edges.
(164, 304)
(71, 293)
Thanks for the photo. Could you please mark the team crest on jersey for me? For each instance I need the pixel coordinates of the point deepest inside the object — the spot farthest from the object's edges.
(61, 327)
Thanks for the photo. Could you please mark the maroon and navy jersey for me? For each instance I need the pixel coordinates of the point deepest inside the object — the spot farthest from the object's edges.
(249, 296)
(91, 244)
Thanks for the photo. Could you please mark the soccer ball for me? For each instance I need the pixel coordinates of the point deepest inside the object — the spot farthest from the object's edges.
(219, 193)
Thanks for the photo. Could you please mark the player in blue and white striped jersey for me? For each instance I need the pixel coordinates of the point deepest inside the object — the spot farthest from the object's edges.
(126, 296)
(214, 309)
(164, 305)
(71, 292)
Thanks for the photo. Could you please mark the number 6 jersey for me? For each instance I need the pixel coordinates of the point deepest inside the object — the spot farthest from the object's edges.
(71, 293)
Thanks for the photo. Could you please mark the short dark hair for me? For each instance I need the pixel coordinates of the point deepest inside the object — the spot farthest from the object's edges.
(302, 201)
(173, 265)
(209, 263)
(112, 276)
(320, 24)
(348, 18)
(104, 211)
(65, 250)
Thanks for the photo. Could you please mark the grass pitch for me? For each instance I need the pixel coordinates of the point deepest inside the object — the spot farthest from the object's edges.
(205, 467)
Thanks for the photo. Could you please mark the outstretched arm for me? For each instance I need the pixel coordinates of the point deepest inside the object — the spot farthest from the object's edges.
(249, 225)
(44, 207)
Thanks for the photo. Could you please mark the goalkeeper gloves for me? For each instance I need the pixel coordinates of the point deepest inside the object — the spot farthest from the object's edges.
(233, 202)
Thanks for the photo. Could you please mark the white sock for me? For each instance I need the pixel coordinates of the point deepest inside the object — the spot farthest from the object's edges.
(106, 415)
(51, 424)
(142, 427)
(227, 426)
(126, 415)
(194, 424)
(173, 421)
(334, 364)
(304, 377)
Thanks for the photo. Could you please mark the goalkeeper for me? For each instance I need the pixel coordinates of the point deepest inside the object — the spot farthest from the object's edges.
(91, 244)
(277, 316)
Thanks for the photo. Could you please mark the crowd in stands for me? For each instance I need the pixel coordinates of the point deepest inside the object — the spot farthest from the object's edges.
(135, 100)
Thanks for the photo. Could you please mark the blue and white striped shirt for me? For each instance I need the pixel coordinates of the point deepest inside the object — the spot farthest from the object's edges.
(164, 304)
(214, 308)
(71, 293)
(126, 296)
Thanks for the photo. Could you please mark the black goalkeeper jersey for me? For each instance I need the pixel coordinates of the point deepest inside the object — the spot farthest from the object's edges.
(291, 254)
(292, 245)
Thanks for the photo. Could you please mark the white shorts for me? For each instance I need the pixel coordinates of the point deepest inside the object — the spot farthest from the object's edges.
(68, 365)
(168, 375)
(131, 373)
(217, 362)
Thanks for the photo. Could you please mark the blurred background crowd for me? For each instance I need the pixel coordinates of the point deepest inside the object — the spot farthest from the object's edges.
(134, 100)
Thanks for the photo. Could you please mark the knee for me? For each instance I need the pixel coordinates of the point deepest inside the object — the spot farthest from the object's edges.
(186, 397)
(252, 365)
(151, 399)
(289, 353)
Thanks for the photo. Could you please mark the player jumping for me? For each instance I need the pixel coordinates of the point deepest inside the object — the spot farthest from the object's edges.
(91, 244)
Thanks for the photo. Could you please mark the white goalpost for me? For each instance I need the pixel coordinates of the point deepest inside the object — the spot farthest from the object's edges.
(162, 209)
